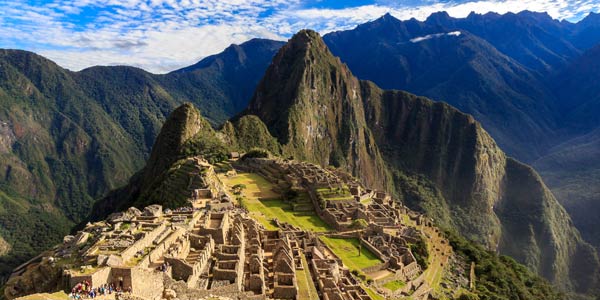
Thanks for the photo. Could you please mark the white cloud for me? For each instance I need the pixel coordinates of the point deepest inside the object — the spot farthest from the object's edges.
(435, 35)
(162, 35)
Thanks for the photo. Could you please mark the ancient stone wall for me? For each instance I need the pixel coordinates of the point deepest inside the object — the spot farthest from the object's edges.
(101, 276)
(147, 283)
(142, 243)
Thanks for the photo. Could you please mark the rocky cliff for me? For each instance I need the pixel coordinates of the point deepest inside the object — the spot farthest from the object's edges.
(312, 104)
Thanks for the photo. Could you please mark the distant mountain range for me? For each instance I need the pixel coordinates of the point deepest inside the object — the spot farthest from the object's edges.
(67, 138)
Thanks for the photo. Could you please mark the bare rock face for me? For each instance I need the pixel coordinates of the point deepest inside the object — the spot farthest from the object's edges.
(4, 246)
(114, 261)
(126, 216)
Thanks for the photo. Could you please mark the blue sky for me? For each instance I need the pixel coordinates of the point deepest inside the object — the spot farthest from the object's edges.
(163, 35)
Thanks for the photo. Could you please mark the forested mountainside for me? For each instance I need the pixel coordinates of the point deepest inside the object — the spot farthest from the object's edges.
(435, 158)
(529, 79)
(67, 138)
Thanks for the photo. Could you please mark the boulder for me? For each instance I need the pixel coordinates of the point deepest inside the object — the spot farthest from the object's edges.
(153, 210)
(126, 216)
(169, 294)
(81, 238)
(134, 211)
(68, 239)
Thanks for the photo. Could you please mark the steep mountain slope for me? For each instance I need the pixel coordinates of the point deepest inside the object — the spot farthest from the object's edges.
(534, 39)
(408, 135)
(572, 168)
(311, 103)
(60, 151)
(458, 68)
(67, 138)
(236, 71)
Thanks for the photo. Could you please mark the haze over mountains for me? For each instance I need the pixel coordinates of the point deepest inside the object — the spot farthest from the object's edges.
(67, 138)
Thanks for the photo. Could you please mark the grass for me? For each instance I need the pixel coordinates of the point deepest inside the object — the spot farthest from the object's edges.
(256, 185)
(306, 287)
(335, 194)
(394, 285)
(347, 251)
(434, 272)
(372, 294)
(264, 204)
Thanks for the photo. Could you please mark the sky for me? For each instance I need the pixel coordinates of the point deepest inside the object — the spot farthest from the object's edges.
(163, 35)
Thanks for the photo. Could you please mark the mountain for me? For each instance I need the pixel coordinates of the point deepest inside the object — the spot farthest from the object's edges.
(455, 66)
(67, 138)
(311, 103)
(227, 79)
(529, 79)
(171, 172)
(422, 144)
(435, 158)
(572, 168)
(533, 39)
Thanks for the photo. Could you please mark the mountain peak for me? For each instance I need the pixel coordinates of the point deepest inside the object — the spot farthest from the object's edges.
(591, 19)
(306, 38)
(296, 67)
(438, 16)
(181, 125)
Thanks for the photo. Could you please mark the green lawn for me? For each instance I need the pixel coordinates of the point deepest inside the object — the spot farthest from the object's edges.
(373, 294)
(265, 205)
(394, 285)
(266, 210)
(347, 251)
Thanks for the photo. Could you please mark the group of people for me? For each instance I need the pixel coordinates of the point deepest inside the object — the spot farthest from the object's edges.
(164, 267)
(84, 290)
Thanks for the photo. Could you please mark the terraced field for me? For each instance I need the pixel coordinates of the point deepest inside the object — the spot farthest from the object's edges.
(264, 204)
(347, 251)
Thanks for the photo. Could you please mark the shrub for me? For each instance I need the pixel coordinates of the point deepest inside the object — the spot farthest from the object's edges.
(256, 153)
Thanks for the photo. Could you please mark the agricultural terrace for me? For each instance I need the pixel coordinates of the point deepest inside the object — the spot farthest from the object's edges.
(347, 251)
(264, 204)
(439, 253)
(335, 194)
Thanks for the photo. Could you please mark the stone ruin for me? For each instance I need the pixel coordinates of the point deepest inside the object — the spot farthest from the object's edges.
(212, 248)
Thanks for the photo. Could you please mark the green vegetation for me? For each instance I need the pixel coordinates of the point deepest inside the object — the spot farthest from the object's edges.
(373, 294)
(265, 205)
(208, 146)
(342, 193)
(74, 136)
(419, 250)
(359, 224)
(394, 285)
(256, 153)
(348, 251)
(500, 277)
